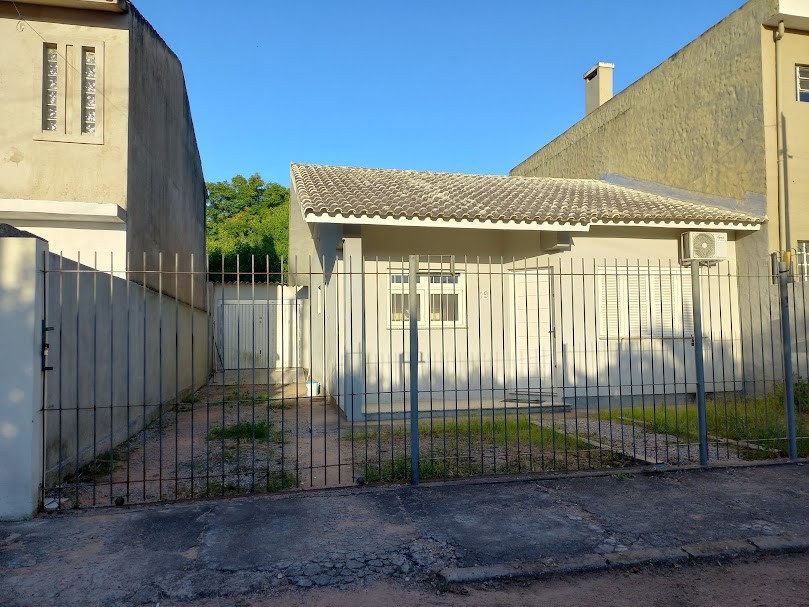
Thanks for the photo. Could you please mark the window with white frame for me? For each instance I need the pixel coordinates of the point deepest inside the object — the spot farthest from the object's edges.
(72, 93)
(802, 78)
(439, 298)
(644, 303)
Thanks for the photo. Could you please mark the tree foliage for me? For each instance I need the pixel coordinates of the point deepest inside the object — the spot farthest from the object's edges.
(248, 218)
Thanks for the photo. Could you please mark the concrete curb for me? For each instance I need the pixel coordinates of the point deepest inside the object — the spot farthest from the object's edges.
(726, 550)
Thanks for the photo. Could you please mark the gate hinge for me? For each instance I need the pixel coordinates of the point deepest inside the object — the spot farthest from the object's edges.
(45, 346)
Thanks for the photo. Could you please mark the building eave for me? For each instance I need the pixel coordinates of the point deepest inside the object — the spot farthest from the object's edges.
(536, 226)
(794, 14)
(110, 6)
(67, 211)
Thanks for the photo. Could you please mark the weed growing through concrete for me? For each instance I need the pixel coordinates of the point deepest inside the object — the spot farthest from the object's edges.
(261, 431)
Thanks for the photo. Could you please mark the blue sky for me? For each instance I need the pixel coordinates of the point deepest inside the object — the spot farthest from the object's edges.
(467, 86)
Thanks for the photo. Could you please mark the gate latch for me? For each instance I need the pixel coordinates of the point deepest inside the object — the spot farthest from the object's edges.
(45, 346)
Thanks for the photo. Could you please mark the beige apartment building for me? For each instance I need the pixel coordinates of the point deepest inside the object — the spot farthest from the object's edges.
(724, 119)
(97, 147)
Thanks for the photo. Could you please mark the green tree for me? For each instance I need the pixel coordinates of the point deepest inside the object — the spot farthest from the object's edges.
(248, 218)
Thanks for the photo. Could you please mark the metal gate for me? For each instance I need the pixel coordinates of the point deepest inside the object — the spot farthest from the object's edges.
(257, 333)
(423, 367)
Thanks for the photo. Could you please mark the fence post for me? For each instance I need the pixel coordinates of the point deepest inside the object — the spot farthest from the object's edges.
(696, 296)
(22, 348)
(786, 337)
(413, 312)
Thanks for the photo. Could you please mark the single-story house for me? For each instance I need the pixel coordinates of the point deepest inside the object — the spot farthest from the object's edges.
(526, 287)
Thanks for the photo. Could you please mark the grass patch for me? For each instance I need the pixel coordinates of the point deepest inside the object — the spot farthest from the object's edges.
(102, 465)
(280, 482)
(503, 430)
(260, 431)
(453, 449)
(756, 420)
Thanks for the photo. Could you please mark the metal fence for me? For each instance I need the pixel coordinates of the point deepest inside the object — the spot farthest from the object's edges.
(172, 381)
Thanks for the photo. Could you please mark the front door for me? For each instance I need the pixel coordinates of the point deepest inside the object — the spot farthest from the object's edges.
(534, 332)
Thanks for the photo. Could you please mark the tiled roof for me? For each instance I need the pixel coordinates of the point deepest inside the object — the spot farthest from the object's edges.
(394, 194)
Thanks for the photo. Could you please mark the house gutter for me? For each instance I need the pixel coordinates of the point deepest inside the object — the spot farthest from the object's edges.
(783, 227)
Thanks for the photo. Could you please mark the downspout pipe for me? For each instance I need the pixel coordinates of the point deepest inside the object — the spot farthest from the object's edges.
(783, 230)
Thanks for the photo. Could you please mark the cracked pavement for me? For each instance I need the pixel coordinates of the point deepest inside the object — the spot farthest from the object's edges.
(342, 538)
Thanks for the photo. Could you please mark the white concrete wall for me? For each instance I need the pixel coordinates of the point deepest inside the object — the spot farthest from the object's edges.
(118, 351)
(21, 313)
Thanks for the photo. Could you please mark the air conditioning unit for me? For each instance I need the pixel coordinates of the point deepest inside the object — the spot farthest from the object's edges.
(704, 246)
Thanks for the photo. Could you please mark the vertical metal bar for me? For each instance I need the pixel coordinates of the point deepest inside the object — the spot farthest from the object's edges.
(337, 275)
(541, 350)
(574, 366)
(193, 398)
(350, 370)
(456, 311)
(733, 354)
(176, 375)
(587, 366)
(503, 346)
(61, 377)
(253, 370)
(722, 342)
(311, 405)
(554, 340)
(112, 368)
(363, 358)
(143, 378)
(632, 353)
(650, 281)
(43, 378)
(95, 373)
(480, 351)
(267, 281)
(516, 357)
(211, 308)
(323, 379)
(78, 365)
(238, 374)
(596, 339)
(491, 350)
(712, 340)
(789, 381)
(683, 282)
(528, 353)
(160, 373)
(389, 313)
(128, 375)
(428, 321)
(225, 403)
(414, 370)
(467, 356)
(378, 331)
(696, 291)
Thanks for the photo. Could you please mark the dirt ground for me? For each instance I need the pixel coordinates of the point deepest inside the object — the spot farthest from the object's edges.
(767, 582)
